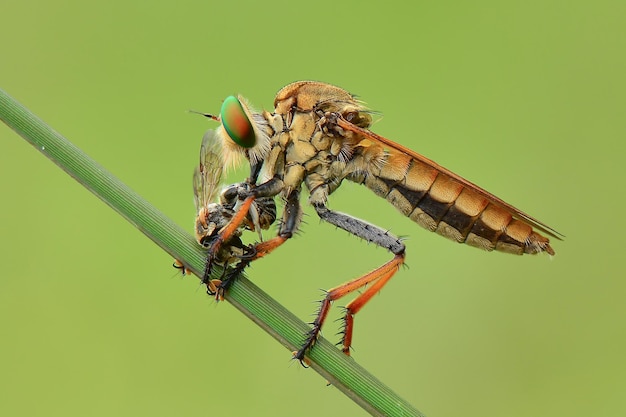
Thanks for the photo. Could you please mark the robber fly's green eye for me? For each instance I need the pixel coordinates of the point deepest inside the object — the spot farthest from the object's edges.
(236, 123)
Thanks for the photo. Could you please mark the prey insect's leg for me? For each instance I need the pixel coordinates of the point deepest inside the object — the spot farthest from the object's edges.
(180, 266)
(379, 277)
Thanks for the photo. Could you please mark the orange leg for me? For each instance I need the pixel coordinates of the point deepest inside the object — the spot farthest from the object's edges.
(225, 235)
(379, 277)
(289, 225)
(265, 248)
(258, 251)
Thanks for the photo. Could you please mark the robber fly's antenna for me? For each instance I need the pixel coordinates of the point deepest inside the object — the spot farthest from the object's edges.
(210, 116)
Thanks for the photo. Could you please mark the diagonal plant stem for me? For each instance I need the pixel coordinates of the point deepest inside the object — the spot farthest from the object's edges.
(343, 372)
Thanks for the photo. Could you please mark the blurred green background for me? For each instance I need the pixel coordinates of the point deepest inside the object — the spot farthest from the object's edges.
(526, 99)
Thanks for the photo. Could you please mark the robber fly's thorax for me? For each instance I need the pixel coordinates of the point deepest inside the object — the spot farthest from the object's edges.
(305, 148)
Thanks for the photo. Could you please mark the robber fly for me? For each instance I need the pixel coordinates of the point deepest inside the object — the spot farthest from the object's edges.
(212, 218)
(318, 135)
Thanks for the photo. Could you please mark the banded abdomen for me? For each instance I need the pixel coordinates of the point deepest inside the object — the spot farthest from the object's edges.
(459, 211)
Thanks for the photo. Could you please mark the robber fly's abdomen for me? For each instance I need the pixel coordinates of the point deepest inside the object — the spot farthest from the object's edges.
(440, 204)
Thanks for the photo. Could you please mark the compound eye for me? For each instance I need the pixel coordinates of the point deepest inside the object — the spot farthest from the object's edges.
(236, 123)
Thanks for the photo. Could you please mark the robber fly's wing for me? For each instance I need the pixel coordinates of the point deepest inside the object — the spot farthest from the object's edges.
(420, 159)
(208, 174)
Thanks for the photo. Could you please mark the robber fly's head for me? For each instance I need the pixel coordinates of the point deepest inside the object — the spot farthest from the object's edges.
(243, 131)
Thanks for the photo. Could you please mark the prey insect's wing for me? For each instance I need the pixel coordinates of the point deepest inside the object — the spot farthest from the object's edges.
(394, 147)
(208, 174)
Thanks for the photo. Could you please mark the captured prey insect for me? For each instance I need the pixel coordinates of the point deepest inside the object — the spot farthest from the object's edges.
(318, 135)
(213, 217)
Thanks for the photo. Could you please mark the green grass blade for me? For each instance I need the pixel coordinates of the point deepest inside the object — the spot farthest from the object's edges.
(343, 372)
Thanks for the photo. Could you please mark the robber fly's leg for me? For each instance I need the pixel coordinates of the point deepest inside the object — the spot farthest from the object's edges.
(292, 215)
(289, 225)
(225, 284)
(232, 275)
(267, 189)
(255, 170)
(225, 235)
(272, 187)
(378, 277)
